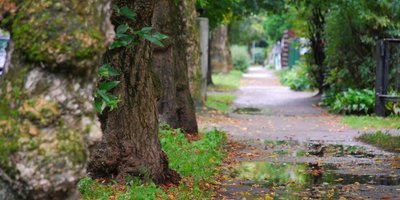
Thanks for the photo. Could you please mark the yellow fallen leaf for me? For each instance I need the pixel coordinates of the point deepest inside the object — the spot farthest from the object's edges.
(268, 197)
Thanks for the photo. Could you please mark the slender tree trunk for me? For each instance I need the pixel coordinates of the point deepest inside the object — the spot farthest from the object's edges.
(130, 145)
(191, 36)
(175, 106)
(47, 121)
(316, 30)
(220, 53)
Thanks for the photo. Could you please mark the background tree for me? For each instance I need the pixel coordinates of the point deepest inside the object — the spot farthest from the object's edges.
(175, 105)
(47, 120)
(220, 55)
(130, 145)
(316, 27)
(191, 36)
(227, 11)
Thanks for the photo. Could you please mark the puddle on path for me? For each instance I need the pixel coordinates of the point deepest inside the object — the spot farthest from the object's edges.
(297, 149)
(269, 174)
(320, 171)
(297, 181)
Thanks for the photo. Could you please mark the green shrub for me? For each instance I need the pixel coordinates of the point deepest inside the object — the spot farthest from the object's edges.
(393, 107)
(259, 55)
(297, 78)
(240, 58)
(354, 101)
(351, 31)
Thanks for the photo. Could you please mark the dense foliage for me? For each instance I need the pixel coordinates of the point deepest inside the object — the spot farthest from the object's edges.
(240, 58)
(354, 102)
(297, 78)
(254, 30)
(226, 11)
(351, 32)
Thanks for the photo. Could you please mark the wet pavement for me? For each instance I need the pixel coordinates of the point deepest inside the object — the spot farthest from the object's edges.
(286, 147)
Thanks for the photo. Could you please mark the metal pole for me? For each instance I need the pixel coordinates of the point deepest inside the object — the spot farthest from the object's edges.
(204, 45)
(379, 102)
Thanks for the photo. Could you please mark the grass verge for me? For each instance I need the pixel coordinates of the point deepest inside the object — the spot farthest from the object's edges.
(220, 102)
(382, 140)
(226, 82)
(197, 162)
(372, 122)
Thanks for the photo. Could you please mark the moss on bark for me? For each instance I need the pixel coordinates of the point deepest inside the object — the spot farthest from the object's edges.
(57, 32)
(47, 121)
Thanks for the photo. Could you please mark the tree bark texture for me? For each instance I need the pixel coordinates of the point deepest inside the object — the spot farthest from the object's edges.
(47, 121)
(220, 54)
(316, 26)
(191, 36)
(175, 105)
(130, 145)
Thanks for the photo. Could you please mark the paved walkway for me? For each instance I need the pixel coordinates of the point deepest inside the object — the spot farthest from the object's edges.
(283, 113)
(282, 139)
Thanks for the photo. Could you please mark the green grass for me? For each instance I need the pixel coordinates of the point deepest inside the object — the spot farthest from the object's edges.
(197, 162)
(220, 102)
(226, 82)
(382, 140)
(372, 122)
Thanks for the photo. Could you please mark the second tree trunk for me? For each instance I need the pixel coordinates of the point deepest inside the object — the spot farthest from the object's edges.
(130, 145)
(175, 105)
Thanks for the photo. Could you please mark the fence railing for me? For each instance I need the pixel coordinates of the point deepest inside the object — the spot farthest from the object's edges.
(382, 76)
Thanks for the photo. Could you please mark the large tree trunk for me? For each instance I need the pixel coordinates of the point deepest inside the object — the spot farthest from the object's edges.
(130, 145)
(175, 106)
(191, 36)
(219, 52)
(47, 121)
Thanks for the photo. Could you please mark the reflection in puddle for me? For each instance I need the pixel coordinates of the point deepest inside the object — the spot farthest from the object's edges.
(297, 149)
(338, 150)
(305, 178)
(307, 174)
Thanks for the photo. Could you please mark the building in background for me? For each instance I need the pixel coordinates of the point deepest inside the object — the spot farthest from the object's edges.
(4, 38)
(287, 51)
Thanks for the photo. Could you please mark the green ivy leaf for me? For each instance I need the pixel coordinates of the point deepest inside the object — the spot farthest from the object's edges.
(127, 12)
(99, 105)
(107, 71)
(115, 8)
(144, 30)
(107, 86)
(153, 40)
(122, 28)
